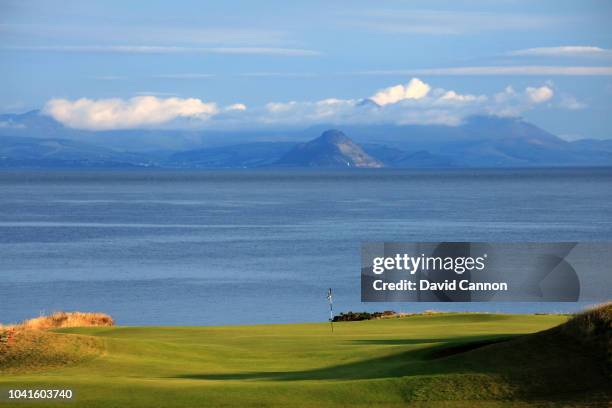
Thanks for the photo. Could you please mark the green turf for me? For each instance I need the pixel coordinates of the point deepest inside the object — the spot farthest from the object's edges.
(389, 362)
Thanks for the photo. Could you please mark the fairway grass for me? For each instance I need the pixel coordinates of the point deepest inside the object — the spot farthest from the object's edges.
(388, 362)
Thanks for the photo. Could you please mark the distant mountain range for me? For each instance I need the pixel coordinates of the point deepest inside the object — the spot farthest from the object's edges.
(32, 152)
(34, 140)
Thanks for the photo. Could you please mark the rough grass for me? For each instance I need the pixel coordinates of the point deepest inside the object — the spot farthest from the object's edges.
(36, 350)
(29, 346)
(519, 360)
(593, 328)
(67, 319)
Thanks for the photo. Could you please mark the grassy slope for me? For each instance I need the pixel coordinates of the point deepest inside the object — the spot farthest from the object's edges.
(38, 350)
(370, 363)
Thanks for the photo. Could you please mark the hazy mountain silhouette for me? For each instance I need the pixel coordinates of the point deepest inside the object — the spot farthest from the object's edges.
(332, 149)
(33, 139)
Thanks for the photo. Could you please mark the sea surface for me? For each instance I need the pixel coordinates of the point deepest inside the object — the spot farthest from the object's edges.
(240, 247)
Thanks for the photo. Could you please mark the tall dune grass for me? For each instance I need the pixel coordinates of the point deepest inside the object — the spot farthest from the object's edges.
(63, 319)
(30, 345)
(594, 328)
(595, 322)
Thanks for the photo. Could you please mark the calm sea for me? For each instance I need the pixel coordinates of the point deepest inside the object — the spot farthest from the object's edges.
(234, 247)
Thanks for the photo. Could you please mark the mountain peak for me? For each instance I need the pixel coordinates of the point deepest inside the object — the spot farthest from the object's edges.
(332, 149)
(333, 136)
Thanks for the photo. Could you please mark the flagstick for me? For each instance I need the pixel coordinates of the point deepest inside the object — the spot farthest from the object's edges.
(331, 316)
(331, 309)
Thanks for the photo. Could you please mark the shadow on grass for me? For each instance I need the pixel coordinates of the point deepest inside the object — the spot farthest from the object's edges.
(399, 342)
(445, 340)
(373, 368)
(550, 365)
(411, 362)
(542, 366)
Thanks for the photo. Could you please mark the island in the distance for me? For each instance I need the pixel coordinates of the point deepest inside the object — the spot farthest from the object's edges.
(332, 149)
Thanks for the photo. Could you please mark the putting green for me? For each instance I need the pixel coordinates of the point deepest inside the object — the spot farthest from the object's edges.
(372, 363)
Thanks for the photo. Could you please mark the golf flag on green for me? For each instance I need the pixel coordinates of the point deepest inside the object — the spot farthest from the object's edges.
(330, 299)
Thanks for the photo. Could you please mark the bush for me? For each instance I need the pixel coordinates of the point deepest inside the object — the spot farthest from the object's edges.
(357, 316)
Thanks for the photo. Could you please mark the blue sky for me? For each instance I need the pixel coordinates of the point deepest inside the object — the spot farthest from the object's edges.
(233, 63)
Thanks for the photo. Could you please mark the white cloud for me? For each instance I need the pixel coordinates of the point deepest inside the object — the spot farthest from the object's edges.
(415, 89)
(563, 51)
(507, 94)
(236, 107)
(571, 103)
(539, 70)
(415, 102)
(295, 112)
(511, 102)
(275, 107)
(539, 95)
(452, 96)
(162, 49)
(140, 111)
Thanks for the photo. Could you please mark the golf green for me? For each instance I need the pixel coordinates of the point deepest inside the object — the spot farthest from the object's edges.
(428, 360)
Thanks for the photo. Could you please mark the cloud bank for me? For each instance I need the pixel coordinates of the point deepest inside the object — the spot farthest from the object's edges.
(115, 113)
(415, 102)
